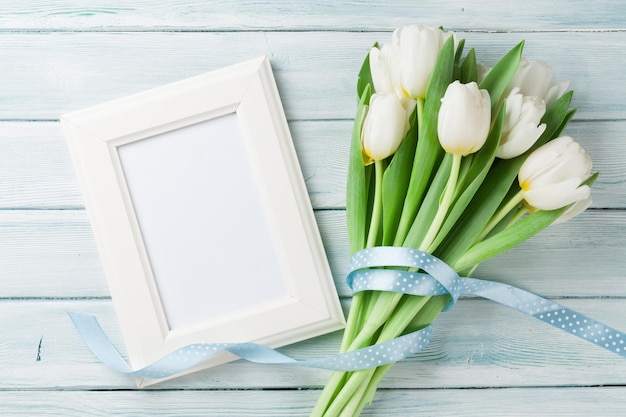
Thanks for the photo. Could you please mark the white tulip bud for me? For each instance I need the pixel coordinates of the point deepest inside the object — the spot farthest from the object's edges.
(464, 118)
(384, 64)
(521, 124)
(551, 177)
(419, 48)
(384, 127)
(533, 78)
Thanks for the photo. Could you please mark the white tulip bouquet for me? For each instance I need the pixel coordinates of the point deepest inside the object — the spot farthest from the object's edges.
(451, 159)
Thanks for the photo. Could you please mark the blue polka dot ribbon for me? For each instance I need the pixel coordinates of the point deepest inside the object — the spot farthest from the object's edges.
(381, 269)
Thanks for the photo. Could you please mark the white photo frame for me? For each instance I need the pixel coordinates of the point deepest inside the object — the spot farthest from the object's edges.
(201, 216)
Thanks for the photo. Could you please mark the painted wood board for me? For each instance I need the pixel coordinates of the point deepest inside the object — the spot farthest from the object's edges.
(49, 253)
(315, 71)
(38, 172)
(319, 15)
(478, 344)
(518, 402)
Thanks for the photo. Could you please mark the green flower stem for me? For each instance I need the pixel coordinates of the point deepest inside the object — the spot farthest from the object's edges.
(351, 409)
(373, 300)
(363, 299)
(424, 315)
(372, 235)
(407, 216)
(359, 301)
(501, 214)
(352, 323)
(518, 215)
(339, 388)
(353, 334)
(416, 312)
(384, 311)
(331, 389)
(356, 384)
(372, 386)
(386, 303)
(402, 317)
(444, 205)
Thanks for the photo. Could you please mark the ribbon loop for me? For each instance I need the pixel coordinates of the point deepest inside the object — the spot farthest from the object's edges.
(371, 259)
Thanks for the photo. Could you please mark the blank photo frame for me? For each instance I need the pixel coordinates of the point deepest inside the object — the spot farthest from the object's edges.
(201, 216)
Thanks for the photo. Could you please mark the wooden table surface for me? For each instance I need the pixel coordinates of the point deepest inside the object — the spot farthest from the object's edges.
(484, 360)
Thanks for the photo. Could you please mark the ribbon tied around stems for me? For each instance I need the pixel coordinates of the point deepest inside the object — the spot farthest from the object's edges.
(380, 269)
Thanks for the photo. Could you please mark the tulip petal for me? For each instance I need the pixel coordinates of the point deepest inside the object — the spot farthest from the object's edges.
(419, 48)
(557, 195)
(555, 92)
(575, 210)
(540, 162)
(519, 140)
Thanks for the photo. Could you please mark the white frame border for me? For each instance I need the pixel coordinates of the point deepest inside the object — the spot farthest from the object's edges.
(249, 90)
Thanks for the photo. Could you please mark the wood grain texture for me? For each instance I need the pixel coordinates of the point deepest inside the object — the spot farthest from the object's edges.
(518, 402)
(38, 172)
(484, 360)
(48, 253)
(319, 15)
(477, 344)
(315, 71)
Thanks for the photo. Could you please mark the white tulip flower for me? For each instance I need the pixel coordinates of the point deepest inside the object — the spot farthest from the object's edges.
(522, 125)
(482, 70)
(419, 48)
(384, 128)
(384, 66)
(533, 78)
(464, 118)
(552, 175)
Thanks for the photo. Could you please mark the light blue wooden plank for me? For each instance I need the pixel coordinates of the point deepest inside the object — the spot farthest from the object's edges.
(518, 402)
(296, 15)
(477, 344)
(315, 71)
(37, 172)
(47, 253)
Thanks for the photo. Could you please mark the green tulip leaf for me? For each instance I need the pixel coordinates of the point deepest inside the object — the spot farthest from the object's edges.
(557, 115)
(430, 205)
(477, 214)
(457, 59)
(469, 68)
(501, 74)
(357, 186)
(513, 191)
(365, 76)
(396, 182)
(564, 123)
(508, 238)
